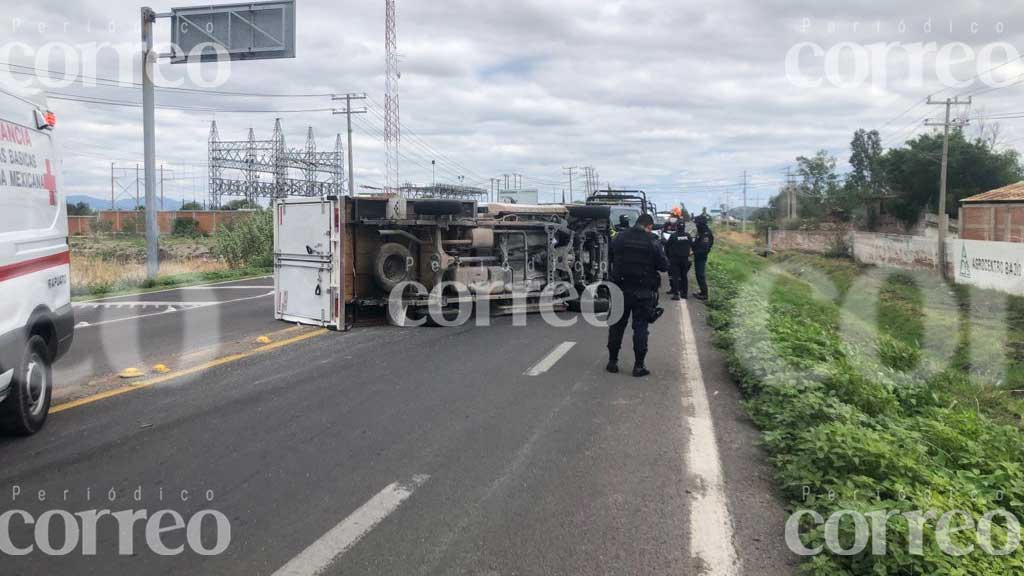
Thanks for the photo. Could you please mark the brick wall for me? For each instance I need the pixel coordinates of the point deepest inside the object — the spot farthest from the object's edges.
(993, 222)
(80, 225)
(133, 221)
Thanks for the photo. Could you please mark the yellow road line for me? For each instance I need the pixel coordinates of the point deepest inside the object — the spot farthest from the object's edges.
(186, 372)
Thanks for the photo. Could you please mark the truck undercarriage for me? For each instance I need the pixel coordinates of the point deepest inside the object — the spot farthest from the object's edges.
(432, 255)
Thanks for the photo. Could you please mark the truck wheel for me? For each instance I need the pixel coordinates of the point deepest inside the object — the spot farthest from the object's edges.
(25, 410)
(391, 266)
(439, 207)
(404, 317)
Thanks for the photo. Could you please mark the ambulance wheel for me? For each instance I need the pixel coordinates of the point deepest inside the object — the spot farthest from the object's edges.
(24, 411)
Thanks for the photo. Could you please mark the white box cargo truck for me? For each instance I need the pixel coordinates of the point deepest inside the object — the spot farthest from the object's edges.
(36, 319)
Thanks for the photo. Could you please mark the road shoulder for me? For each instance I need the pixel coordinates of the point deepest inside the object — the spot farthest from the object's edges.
(757, 508)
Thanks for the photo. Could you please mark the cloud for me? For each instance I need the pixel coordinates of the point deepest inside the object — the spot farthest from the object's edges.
(678, 96)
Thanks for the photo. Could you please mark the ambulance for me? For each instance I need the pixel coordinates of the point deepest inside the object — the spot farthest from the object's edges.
(36, 319)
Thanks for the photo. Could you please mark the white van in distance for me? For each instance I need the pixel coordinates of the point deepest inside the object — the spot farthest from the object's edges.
(36, 320)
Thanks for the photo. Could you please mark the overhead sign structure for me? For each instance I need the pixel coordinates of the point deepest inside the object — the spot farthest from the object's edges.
(252, 31)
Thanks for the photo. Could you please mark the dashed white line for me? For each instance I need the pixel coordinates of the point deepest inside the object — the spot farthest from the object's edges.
(319, 555)
(551, 359)
(711, 530)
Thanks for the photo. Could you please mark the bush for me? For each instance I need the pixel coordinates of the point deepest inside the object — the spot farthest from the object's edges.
(132, 224)
(101, 227)
(247, 241)
(185, 227)
(880, 437)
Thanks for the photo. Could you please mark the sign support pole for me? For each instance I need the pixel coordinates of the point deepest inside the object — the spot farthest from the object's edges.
(149, 143)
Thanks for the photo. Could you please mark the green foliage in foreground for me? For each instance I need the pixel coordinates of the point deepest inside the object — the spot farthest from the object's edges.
(247, 242)
(851, 405)
(170, 281)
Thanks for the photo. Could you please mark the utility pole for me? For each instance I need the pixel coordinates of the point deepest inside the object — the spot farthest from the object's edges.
(161, 186)
(348, 112)
(790, 196)
(943, 217)
(111, 185)
(569, 170)
(148, 16)
(744, 200)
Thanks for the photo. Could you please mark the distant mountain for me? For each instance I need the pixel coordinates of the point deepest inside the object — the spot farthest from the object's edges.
(121, 204)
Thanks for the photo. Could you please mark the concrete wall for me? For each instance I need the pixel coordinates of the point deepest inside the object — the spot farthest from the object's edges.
(993, 265)
(913, 252)
(811, 241)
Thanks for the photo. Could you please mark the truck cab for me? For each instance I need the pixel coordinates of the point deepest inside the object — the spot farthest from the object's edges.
(36, 318)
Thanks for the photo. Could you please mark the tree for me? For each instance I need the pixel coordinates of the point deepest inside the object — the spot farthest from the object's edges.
(80, 209)
(240, 204)
(867, 177)
(191, 206)
(819, 190)
(912, 172)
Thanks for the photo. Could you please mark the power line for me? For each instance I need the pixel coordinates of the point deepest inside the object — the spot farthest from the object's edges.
(114, 83)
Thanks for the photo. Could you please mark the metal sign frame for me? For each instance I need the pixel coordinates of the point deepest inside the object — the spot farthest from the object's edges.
(218, 24)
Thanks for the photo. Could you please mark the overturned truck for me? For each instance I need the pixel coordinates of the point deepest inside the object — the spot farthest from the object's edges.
(418, 260)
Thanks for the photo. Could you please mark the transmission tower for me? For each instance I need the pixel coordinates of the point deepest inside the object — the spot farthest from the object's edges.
(236, 167)
(392, 123)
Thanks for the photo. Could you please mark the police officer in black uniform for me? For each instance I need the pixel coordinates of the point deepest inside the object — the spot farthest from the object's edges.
(678, 250)
(637, 261)
(702, 244)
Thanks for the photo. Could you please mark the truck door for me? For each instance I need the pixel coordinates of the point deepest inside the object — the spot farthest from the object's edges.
(307, 287)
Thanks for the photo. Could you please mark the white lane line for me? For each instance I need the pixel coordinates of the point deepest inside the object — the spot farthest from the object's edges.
(146, 303)
(214, 284)
(254, 287)
(338, 540)
(551, 359)
(173, 310)
(711, 531)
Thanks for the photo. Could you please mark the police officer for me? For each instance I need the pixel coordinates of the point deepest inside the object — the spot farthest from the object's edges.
(637, 260)
(678, 251)
(703, 241)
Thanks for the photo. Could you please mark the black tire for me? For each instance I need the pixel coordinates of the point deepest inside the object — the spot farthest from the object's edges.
(438, 207)
(601, 305)
(24, 411)
(449, 314)
(390, 266)
(590, 212)
(407, 316)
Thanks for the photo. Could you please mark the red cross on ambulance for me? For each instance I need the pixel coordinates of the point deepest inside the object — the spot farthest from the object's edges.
(50, 183)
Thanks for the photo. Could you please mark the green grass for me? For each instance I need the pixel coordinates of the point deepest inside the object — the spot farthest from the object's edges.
(165, 282)
(891, 391)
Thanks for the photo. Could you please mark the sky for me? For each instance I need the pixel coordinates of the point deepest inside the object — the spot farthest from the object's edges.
(679, 98)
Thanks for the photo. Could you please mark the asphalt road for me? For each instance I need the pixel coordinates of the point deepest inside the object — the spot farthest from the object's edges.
(497, 450)
(159, 327)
